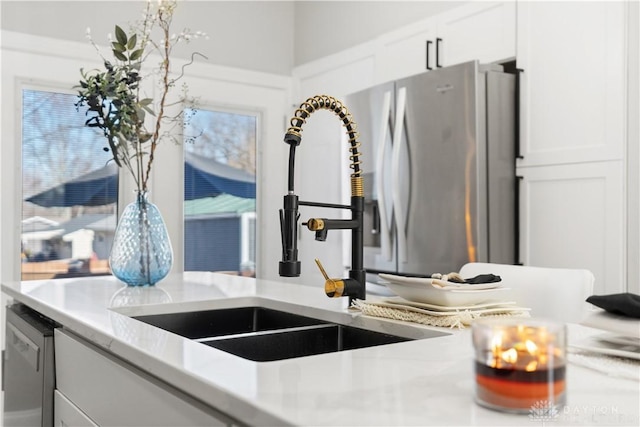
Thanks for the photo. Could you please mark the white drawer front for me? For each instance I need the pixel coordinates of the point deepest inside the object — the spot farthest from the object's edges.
(66, 414)
(111, 393)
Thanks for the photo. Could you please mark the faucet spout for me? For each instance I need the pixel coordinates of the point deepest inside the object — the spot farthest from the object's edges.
(289, 215)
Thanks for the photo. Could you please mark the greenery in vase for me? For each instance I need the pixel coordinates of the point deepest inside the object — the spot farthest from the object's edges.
(113, 97)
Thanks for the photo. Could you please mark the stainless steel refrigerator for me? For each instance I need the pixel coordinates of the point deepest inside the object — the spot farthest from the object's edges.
(439, 166)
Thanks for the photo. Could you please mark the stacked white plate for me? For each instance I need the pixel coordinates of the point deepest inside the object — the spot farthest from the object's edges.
(619, 336)
(435, 291)
(438, 297)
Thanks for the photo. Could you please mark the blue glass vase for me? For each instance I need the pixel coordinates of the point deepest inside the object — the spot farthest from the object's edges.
(141, 254)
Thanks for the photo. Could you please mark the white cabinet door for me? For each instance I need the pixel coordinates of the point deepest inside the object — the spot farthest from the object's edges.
(573, 217)
(573, 84)
(404, 52)
(485, 31)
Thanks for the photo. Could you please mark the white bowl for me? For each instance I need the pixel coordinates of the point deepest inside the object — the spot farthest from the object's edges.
(421, 290)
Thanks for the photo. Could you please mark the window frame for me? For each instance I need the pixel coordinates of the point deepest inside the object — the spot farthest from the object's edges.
(258, 114)
(39, 86)
(12, 212)
(126, 185)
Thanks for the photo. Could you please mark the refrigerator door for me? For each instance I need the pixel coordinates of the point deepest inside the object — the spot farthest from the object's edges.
(439, 187)
(501, 168)
(373, 111)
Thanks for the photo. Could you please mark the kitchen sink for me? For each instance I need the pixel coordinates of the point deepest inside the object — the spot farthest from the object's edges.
(266, 334)
(300, 342)
(229, 321)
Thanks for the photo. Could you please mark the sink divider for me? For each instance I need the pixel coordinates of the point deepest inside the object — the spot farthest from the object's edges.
(267, 332)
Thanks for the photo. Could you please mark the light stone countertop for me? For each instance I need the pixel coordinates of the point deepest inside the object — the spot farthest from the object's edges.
(420, 382)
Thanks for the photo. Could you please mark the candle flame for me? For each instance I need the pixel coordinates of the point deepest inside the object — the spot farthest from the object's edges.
(532, 348)
(510, 356)
(531, 366)
(496, 343)
(523, 347)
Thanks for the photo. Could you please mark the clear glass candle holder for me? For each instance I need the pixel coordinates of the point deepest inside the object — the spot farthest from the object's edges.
(520, 364)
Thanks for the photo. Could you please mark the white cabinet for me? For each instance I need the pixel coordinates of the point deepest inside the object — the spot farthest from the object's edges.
(404, 52)
(572, 137)
(572, 217)
(65, 413)
(99, 389)
(573, 84)
(485, 31)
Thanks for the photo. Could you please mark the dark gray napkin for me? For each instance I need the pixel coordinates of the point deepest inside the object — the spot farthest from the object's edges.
(625, 304)
(477, 280)
(483, 278)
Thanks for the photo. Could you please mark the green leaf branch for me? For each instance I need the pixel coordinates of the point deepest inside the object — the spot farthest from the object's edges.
(112, 97)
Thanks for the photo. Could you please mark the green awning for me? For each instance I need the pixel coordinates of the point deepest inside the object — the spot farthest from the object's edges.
(224, 203)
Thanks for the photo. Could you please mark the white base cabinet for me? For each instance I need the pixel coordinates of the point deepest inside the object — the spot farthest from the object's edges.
(65, 413)
(95, 388)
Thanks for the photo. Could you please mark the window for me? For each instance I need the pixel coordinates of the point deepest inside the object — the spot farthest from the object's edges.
(220, 191)
(69, 190)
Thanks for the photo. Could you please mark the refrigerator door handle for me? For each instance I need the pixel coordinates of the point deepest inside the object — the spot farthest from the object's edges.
(399, 211)
(385, 227)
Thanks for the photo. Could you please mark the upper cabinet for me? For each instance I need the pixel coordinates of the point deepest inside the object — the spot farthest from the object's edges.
(485, 31)
(573, 82)
(403, 53)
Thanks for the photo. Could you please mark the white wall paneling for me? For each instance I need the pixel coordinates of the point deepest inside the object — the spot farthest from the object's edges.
(573, 217)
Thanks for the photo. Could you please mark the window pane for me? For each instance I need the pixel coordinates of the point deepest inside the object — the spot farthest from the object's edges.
(69, 190)
(220, 201)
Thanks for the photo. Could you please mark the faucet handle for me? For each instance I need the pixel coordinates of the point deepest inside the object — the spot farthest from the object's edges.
(334, 288)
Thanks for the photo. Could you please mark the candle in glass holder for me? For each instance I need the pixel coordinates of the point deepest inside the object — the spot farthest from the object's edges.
(520, 364)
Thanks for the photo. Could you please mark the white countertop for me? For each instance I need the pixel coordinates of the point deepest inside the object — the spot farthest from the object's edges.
(420, 382)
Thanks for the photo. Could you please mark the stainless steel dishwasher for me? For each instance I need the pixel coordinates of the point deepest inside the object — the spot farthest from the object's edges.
(28, 368)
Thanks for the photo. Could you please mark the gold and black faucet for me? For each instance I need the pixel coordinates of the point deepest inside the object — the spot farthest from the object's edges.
(353, 286)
